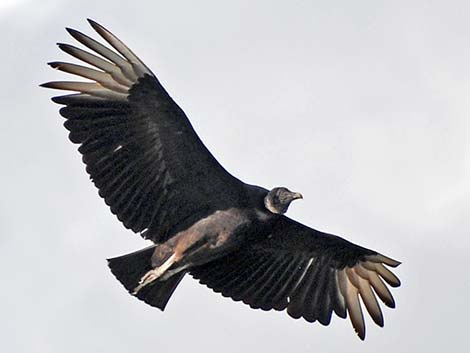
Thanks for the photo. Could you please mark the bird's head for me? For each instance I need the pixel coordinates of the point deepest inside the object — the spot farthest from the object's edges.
(279, 199)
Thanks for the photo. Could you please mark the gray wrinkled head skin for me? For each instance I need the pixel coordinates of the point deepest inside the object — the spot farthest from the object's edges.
(279, 199)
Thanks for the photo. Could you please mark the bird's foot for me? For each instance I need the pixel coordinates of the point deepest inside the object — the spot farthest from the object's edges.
(154, 274)
(148, 278)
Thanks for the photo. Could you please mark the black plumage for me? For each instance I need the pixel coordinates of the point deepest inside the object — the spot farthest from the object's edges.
(159, 179)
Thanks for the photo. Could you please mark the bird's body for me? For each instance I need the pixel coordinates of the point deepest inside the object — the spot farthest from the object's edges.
(160, 180)
(215, 235)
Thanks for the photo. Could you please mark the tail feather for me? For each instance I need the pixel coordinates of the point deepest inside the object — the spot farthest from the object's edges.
(130, 268)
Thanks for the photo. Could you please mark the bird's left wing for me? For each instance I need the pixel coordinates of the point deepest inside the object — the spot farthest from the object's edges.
(139, 147)
(309, 273)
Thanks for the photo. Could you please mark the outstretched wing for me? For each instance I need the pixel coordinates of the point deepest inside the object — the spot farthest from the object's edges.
(139, 147)
(309, 273)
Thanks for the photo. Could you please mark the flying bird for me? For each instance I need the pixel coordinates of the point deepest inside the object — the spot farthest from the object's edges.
(159, 179)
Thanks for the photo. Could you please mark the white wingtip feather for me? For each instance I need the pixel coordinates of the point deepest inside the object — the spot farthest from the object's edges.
(117, 44)
(116, 74)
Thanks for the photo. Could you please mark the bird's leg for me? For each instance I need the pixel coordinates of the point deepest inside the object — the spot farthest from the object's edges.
(171, 273)
(154, 274)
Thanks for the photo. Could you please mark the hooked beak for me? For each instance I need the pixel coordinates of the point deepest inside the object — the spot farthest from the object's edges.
(297, 195)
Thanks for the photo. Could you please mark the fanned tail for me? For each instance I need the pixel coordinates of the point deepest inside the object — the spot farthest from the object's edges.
(130, 268)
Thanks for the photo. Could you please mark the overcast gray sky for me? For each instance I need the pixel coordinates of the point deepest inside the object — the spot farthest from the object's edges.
(360, 105)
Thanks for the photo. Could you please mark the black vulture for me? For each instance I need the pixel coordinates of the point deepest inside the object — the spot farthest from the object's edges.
(159, 179)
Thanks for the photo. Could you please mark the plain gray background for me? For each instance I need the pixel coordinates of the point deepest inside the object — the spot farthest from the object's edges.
(360, 105)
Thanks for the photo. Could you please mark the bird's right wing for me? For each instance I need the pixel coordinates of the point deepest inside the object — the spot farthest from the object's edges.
(139, 147)
(309, 273)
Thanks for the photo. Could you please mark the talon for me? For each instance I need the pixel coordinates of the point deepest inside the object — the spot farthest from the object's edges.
(146, 279)
(136, 290)
(154, 274)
